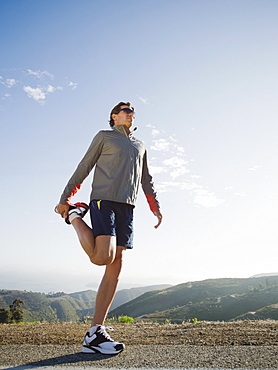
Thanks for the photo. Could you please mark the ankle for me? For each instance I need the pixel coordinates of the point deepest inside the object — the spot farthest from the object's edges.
(94, 328)
(73, 217)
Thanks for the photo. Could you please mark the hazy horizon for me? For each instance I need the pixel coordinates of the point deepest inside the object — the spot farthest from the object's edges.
(94, 286)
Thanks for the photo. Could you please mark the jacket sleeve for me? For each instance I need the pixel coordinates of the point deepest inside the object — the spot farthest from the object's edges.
(83, 169)
(148, 186)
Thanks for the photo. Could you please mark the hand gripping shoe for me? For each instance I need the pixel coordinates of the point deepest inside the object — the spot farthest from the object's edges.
(78, 209)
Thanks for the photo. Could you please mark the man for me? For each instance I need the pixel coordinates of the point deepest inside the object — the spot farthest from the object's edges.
(120, 162)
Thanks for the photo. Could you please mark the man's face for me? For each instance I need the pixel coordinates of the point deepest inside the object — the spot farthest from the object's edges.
(123, 118)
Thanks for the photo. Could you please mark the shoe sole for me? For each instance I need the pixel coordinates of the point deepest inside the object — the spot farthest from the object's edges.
(88, 349)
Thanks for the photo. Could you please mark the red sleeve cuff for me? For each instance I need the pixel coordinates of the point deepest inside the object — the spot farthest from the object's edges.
(74, 191)
(152, 202)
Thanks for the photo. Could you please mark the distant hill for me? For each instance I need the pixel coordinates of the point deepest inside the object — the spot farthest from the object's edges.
(226, 308)
(265, 313)
(126, 295)
(265, 274)
(213, 299)
(62, 306)
(50, 307)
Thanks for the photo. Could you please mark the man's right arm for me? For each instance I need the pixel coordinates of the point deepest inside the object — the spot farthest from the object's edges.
(83, 169)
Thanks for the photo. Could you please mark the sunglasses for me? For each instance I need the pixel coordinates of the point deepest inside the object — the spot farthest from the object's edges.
(128, 110)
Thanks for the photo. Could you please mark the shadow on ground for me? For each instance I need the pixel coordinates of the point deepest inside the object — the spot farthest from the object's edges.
(73, 358)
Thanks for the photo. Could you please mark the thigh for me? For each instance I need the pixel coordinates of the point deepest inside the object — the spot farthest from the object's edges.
(102, 218)
(124, 225)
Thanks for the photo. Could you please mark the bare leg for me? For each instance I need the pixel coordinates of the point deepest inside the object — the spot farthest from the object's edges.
(85, 235)
(107, 288)
(100, 250)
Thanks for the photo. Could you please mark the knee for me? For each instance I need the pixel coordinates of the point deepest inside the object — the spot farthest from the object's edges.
(102, 260)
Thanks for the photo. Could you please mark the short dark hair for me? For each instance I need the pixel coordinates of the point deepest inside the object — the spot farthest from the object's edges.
(117, 109)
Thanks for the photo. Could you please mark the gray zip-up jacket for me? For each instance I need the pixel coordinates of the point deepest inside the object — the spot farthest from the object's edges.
(120, 162)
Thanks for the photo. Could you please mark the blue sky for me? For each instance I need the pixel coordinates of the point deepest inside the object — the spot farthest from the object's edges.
(203, 78)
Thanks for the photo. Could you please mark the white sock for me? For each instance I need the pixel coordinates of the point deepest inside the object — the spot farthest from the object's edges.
(72, 216)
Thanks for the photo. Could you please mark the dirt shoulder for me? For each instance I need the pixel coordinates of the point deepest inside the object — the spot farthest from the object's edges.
(255, 333)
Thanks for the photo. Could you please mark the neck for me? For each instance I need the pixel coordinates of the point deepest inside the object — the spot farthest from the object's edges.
(127, 130)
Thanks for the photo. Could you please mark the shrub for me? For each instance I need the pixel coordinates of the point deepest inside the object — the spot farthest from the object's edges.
(126, 320)
(195, 320)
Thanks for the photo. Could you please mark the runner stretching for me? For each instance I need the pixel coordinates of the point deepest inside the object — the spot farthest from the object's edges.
(120, 162)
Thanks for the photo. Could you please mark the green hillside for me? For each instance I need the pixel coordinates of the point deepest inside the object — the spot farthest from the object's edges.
(61, 306)
(214, 299)
(126, 295)
(50, 307)
(225, 308)
(265, 313)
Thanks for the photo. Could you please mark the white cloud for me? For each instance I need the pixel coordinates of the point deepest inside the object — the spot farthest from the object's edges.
(7, 96)
(254, 168)
(50, 89)
(39, 93)
(155, 132)
(170, 186)
(178, 166)
(8, 82)
(143, 100)
(205, 198)
(172, 139)
(73, 85)
(174, 162)
(178, 172)
(157, 169)
(180, 149)
(40, 74)
(169, 144)
(239, 194)
(161, 145)
(24, 83)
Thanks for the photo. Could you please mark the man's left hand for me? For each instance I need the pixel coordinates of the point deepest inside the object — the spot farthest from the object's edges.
(159, 217)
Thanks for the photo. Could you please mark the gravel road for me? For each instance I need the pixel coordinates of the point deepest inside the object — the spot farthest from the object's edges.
(206, 345)
(144, 356)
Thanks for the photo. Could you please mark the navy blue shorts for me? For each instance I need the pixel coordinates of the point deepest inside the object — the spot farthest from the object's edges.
(113, 218)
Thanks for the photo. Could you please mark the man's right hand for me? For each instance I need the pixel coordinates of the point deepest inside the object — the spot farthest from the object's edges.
(62, 209)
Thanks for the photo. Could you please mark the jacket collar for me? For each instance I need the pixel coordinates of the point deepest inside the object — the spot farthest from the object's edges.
(121, 129)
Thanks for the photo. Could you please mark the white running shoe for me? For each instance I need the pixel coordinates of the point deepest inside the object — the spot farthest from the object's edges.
(100, 341)
(80, 209)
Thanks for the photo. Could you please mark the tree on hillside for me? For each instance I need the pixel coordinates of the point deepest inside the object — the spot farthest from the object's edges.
(5, 316)
(16, 311)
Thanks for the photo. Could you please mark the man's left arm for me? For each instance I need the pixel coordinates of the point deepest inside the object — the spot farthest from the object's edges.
(150, 193)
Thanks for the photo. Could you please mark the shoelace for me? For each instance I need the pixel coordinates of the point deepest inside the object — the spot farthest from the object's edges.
(103, 329)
